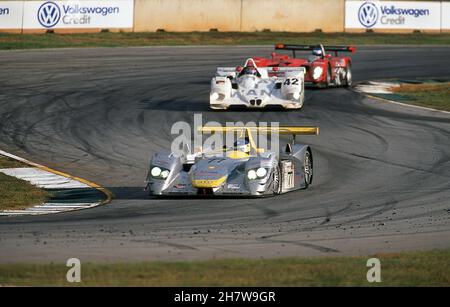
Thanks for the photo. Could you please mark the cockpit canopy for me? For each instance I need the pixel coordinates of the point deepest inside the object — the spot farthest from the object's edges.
(250, 69)
(242, 145)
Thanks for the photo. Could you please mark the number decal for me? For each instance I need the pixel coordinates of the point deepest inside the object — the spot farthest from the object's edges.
(293, 81)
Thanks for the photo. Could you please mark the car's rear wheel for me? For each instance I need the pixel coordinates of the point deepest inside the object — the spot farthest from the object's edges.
(308, 168)
(348, 76)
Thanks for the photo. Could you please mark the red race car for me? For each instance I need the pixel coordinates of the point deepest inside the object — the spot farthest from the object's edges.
(322, 69)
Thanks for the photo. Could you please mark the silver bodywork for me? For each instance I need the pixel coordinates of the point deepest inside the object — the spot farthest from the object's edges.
(219, 175)
(278, 86)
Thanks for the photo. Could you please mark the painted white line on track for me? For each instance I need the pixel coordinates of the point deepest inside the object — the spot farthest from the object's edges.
(26, 212)
(49, 208)
(7, 154)
(66, 205)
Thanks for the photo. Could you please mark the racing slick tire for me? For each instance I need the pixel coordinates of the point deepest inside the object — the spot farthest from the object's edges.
(302, 99)
(302, 96)
(328, 80)
(308, 168)
(217, 109)
(276, 187)
(348, 76)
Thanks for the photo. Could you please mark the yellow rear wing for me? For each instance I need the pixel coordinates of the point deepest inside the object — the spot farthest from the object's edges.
(246, 131)
(283, 130)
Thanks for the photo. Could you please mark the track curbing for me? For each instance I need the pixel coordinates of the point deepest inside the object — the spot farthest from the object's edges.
(376, 87)
(49, 208)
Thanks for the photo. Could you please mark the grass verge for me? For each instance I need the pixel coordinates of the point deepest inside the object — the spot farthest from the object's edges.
(18, 194)
(109, 39)
(430, 268)
(433, 95)
(6, 162)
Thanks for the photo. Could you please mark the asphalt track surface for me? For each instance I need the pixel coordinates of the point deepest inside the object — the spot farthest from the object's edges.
(382, 171)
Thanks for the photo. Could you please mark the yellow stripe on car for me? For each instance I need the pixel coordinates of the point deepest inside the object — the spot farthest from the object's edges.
(237, 155)
(204, 183)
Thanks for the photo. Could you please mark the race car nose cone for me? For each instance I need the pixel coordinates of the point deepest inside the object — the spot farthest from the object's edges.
(209, 174)
(205, 180)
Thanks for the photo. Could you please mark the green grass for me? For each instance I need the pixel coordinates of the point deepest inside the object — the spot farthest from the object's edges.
(433, 95)
(109, 39)
(431, 268)
(19, 194)
(6, 162)
(16, 193)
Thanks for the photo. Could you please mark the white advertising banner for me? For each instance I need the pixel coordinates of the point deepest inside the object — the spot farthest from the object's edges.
(78, 14)
(445, 15)
(393, 15)
(11, 14)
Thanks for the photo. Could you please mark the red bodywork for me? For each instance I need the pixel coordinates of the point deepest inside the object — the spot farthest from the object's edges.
(332, 65)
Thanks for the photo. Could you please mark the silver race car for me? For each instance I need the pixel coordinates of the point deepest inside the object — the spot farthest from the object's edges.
(243, 170)
(254, 87)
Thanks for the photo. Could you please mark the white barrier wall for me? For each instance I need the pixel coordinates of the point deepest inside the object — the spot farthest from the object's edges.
(293, 15)
(393, 15)
(239, 15)
(11, 15)
(445, 16)
(187, 15)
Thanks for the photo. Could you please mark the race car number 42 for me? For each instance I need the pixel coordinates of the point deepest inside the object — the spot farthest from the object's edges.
(293, 81)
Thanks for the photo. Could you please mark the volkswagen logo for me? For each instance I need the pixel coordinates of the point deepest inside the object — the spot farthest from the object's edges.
(368, 14)
(48, 14)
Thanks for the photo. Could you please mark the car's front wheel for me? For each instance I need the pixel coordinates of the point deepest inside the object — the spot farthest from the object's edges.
(302, 95)
(276, 186)
(308, 168)
(348, 76)
(328, 80)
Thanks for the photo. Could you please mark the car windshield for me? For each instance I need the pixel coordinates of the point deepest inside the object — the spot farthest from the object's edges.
(249, 71)
(312, 58)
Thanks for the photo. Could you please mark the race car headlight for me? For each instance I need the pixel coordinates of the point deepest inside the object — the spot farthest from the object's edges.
(296, 96)
(252, 174)
(164, 174)
(156, 171)
(159, 173)
(214, 96)
(317, 72)
(258, 173)
(261, 172)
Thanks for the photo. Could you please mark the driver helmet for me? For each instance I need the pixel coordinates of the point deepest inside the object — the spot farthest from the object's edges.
(242, 145)
(317, 51)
